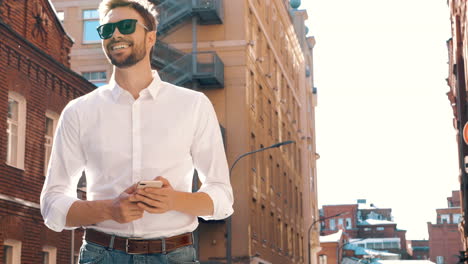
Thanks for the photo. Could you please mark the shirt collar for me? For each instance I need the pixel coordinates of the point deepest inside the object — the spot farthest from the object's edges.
(153, 88)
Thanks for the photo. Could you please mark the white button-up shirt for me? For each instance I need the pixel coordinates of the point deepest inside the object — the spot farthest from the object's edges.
(117, 140)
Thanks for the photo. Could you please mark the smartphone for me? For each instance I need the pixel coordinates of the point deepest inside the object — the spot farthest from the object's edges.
(149, 184)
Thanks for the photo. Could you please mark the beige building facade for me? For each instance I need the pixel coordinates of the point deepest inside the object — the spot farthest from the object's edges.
(254, 62)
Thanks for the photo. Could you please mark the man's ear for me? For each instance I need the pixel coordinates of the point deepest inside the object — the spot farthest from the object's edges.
(151, 38)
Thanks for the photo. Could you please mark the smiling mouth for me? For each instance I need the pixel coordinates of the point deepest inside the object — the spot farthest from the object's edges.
(120, 46)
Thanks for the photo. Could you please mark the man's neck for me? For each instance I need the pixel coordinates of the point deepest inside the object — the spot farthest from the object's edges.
(135, 78)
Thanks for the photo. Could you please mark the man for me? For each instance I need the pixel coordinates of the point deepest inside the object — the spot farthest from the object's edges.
(136, 128)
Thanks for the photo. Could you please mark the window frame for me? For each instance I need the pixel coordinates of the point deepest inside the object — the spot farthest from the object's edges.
(98, 81)
(54, 117)
(52, 251)
(15, 251)
(21, 131)
(84, 41)
(445, 217)
(440, 259)
(332, 224)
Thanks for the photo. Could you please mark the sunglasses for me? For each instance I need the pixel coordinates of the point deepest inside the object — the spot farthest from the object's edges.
(126, 26)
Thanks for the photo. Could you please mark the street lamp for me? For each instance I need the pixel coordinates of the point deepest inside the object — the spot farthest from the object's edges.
(229, 220)
(320, 220)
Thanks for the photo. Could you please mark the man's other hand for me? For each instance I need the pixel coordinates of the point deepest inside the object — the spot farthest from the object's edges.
(123, 209)
(157, 200)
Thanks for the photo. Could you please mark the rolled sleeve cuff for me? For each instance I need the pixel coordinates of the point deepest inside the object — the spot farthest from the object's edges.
(222, 203)
(56, 218)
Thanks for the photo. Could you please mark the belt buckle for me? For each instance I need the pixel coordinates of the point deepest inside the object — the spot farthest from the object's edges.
(163, 246)
(126, 248)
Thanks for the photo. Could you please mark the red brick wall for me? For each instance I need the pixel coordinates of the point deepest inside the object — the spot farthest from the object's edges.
(444, 240)
(454, 201)
(330, 210)
(331, 251)
(46, 85)
(416, 251)
(389, 231)
(48, 35)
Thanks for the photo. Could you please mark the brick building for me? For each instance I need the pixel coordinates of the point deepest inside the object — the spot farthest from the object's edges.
(331, 245)
(35, 85)
(367, 226)
(348, 220)
(457, 47)
(418, 249)
(445, 241)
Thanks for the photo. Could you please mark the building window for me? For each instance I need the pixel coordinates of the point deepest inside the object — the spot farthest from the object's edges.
(340, 222)
(380, 228)
(16, 130)
(440, 260)
(11, 251)
(51, 120)
(349, 224)
(456, 218)
(323, 259)
(367, 229)
(61, 16)
(90, 23)
(98, 78)
(49, 255)
(332, 224)
(7, 254)
(445, 218)
(395, 244)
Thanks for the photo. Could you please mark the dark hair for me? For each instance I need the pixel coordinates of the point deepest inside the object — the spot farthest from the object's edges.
(145, 8)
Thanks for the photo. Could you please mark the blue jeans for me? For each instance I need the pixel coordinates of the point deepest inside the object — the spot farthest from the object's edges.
(91, 253)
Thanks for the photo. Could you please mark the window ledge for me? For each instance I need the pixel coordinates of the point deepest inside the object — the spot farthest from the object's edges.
(14, 166)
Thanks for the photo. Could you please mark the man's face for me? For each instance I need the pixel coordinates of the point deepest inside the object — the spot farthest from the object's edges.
(124, 51)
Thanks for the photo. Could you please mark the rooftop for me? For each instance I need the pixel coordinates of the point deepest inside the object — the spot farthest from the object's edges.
(360, 251)
(376, 222)
(335, 237)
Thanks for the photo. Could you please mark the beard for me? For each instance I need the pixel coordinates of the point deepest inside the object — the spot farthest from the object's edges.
(138, 54)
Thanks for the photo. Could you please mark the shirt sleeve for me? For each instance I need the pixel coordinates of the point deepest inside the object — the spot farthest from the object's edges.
(210, 161)
(65, 168)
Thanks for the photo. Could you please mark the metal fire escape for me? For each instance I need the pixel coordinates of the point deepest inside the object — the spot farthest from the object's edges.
(192, 70)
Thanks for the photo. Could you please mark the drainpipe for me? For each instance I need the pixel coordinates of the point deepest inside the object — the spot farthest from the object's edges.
(72, 258)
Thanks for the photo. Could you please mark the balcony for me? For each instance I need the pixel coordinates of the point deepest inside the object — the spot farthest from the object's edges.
(164, 55)
(209, 71)
(173, 13)
(209, 12)
(205, 68)
(178, 72)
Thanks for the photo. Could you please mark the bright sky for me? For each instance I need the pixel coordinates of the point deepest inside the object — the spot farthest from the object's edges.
(384, 123)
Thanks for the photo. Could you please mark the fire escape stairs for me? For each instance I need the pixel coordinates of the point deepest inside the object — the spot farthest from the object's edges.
(175, 66)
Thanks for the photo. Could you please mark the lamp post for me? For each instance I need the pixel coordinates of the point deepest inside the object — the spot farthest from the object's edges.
(320, 220)
(229, 220)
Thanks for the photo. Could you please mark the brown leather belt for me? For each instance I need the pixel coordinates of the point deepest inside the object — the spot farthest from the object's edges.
(137, 246)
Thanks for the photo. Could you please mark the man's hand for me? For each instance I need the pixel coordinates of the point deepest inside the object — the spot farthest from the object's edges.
(123, 210)
(157, 200)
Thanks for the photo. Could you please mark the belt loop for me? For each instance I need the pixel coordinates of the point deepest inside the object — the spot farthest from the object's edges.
(163, 245)
(111, 244)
